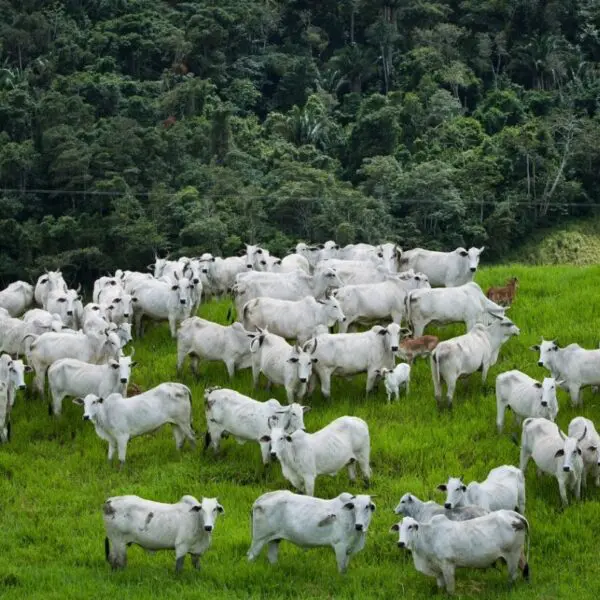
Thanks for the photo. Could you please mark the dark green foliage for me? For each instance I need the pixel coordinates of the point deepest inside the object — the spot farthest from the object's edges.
(129, 127)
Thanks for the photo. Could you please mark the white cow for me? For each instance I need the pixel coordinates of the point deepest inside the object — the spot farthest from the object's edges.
(255, 258)
(341, 523)
(117, 306)
(131, 279)
(12, 331)
(94, 347)
(384, 300)
(67, 305)
(229, 412)
(353, 353)
(441, 545)
(292, 319)
(357, 272)
(294, 262)
(574, 366)
(504, 488)
(466, 303)
(46, 283)
(303, 456)
(16, 298)
(554, 453)
(281, 363)
(12, 371)
(590, 447)
(395, 379)
(314, 254)
(466, 354)
(525, 396)
(106, 284)
(447, 269)
(204, 340)
(72, 377)
(221, 272)
(161, 301)
(185, 527)
(117, 419)
(387, 254)
(294, 285)
(411, 506)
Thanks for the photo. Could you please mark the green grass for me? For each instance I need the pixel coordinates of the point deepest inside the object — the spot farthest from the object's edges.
(54, 477)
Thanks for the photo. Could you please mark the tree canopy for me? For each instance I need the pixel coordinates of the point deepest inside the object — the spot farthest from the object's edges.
(134, 126)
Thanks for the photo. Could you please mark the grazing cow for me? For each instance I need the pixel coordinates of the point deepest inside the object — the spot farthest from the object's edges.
(341, 523)
(554, 453)
(504, 488)
(574, 366)
(12, 331)
(16, 298)
(221, 272)
(525, 396)
(12, 371)
(590, 447)
(395, 379)
(465, 354)
(304, 456)
(281, 363)
(292, 319)
(423, 512)
(106, 285)
(185, 527)
(382, 300)
(285, 286)
(94, 347)
(72, 377)
(504, 295)
(4, 413)
(67, 305)
(229, 412)
(411, 348)
(441, 545)
(46, 283)
(353, 353)
(204, 340)
(448, 269)
(117, 419)
(161, 301)
(294, 262)
(466, 303)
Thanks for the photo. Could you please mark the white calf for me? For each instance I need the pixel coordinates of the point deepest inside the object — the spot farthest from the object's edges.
(590, 447)
(395, 379)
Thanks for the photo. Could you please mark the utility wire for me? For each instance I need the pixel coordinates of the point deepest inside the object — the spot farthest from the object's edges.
(115, 194)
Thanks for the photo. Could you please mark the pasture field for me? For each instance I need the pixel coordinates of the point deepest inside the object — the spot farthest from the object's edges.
(54, 477)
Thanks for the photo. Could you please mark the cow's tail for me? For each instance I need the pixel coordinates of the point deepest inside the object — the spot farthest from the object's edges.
(230, 313)
(435, 374)
(107, 549)
(28, 343)
(407, 312)
(518, 525)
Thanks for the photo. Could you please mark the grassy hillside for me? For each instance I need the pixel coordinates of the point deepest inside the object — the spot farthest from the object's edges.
(576, 243)
(55, 477)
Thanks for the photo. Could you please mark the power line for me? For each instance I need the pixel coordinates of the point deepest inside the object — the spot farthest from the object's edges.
(116, 194)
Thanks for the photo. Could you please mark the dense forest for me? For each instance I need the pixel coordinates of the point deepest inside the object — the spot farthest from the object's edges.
(134, 126)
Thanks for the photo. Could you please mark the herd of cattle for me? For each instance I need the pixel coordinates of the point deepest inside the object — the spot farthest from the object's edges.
(79, 350)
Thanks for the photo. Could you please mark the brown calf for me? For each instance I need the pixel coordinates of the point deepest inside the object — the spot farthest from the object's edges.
(411, 348)
(504, 295)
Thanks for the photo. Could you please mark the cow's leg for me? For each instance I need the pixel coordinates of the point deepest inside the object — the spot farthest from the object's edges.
(562, 488)
(341, 556)
(264, 453)
(578, 484)
(524, 458)
(194, 364)
(195, 560)
(309, 485)
(137, 319)
(325, 377)
(57, 400)
(273, 551)
(255, 548)
(215, 433)
(448, 572)
(255, 374)
(512, 562)
(230, 365)
(179, 437)
(181, 354)
(179, 558)
(371, 380)
(173, 326)
(352, 470)
(500, 410)
(485, 367)
(574, 392)
(122, 448)
(117, 556)
(450, 388)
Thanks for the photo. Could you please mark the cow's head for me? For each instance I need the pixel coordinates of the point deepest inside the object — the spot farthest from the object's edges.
(547, 398)
(208, 511)
(254, 256)
(571, 451)
(361, 508)
(391, 335)
(289, 418)
(303, 361)
(547, 350)
(17, 370)
(181, 289)
(333, 310)
(278, 439)
(470, 257)
(92, 405)
(407, 529)
(5, 428)
(123, 366)
(455, 492)
(405, 504)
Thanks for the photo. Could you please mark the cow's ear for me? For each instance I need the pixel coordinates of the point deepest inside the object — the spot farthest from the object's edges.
(265, 438)
(349, 506)
(463, 488)
(464, 253)
(314, 360)
(78, 401)
(174, 287)
(560, 452)
(220, 509)
(28, 369)
(133, 364)
(196, 508)
(100, 400)
(395, 527)
(538, 385)
(535, 348)
(382, 331)
(442, 487)
(593, 448)
(288, 438)
(114, 364)
(294, 359)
